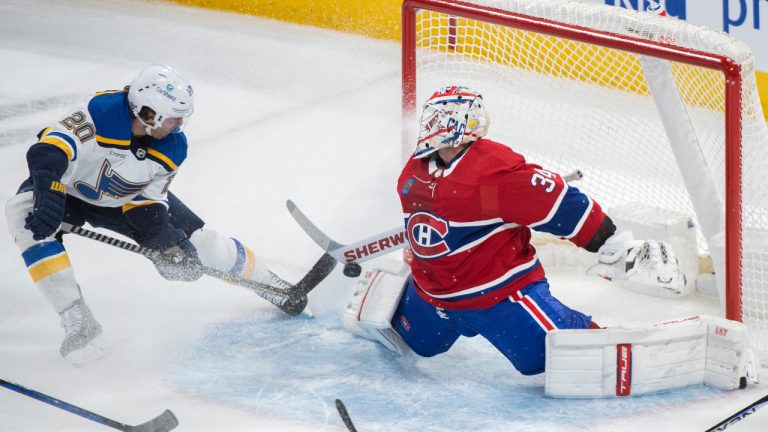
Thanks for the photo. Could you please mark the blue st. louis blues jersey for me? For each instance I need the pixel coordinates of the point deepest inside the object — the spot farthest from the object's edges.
(102, 170)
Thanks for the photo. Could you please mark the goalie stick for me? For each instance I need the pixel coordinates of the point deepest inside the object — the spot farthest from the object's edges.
(371, 247)
(292, 303)
(360, 251)
(743, 413)
(162, 423)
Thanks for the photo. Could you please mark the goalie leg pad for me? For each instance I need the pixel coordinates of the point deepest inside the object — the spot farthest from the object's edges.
(730, 363)
(373, 303)
(629, 362)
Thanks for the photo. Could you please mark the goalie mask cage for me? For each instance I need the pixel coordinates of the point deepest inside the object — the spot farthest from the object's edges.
(654, 110)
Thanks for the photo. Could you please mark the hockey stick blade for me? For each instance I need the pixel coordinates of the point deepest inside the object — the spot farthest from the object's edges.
(162, 423)
(360, 251)
(742, 414)
(345, 415)
(311, 229)
(165, 422)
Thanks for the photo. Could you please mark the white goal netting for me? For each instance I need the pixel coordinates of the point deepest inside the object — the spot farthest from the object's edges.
(568, 102)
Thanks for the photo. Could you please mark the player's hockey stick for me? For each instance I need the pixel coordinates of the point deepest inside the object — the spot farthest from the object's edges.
(345, 415)
(743, 413)
(291, 302)
(162, 423)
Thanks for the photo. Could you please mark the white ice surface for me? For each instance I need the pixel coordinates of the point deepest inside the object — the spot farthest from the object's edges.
(282, 111)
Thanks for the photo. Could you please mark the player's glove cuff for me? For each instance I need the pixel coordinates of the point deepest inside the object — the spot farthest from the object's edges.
(50, 201)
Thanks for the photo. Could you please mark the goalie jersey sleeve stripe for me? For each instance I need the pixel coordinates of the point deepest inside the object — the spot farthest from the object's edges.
(572, 215)
(550, 220)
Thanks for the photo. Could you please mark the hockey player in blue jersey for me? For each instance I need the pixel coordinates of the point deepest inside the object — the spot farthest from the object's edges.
(110, 163)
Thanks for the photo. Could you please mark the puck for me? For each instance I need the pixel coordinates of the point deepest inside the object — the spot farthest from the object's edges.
(352, 269)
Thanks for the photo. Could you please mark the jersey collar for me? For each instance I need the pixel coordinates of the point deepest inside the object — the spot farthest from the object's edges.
(435, 163)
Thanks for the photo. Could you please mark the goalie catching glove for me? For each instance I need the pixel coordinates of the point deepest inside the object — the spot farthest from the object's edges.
(646, 266)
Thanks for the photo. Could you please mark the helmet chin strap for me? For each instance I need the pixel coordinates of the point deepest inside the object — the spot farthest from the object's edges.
(147, 128)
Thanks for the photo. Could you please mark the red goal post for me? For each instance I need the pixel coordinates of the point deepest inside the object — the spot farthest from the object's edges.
(452, 40)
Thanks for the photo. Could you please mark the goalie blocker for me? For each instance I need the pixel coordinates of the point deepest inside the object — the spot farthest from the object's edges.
(590, 363)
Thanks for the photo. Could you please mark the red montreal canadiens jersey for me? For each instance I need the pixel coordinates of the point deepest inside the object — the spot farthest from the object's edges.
(469, 223)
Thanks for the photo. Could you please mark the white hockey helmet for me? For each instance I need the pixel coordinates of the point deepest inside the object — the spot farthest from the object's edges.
(163, 90)
(453, 116)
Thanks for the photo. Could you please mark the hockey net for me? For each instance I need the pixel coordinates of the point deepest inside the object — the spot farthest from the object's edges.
(656, 112)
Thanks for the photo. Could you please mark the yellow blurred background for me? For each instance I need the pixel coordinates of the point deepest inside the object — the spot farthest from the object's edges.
(378, 19)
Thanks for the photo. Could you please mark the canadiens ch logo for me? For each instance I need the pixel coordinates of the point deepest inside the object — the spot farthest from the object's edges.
(427, 233)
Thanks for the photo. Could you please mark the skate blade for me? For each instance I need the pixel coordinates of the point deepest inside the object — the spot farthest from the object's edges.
(96, 349)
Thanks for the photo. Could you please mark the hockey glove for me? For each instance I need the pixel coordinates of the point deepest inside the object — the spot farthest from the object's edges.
(179, 262)
(48, 210)
(648, 266)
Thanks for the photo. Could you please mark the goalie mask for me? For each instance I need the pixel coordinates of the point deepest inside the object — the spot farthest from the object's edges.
(451, 117)
(163, 90)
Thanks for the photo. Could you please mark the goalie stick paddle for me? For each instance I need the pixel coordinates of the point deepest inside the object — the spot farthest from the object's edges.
(163, 423)
(292, 303)
(345, 415)
(360, 251)
(742, 414)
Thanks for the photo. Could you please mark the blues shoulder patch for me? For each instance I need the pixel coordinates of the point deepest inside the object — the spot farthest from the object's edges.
(109, 111)
(170, 152)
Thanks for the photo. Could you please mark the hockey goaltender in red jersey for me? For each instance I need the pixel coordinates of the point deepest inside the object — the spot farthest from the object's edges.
(469, 205)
